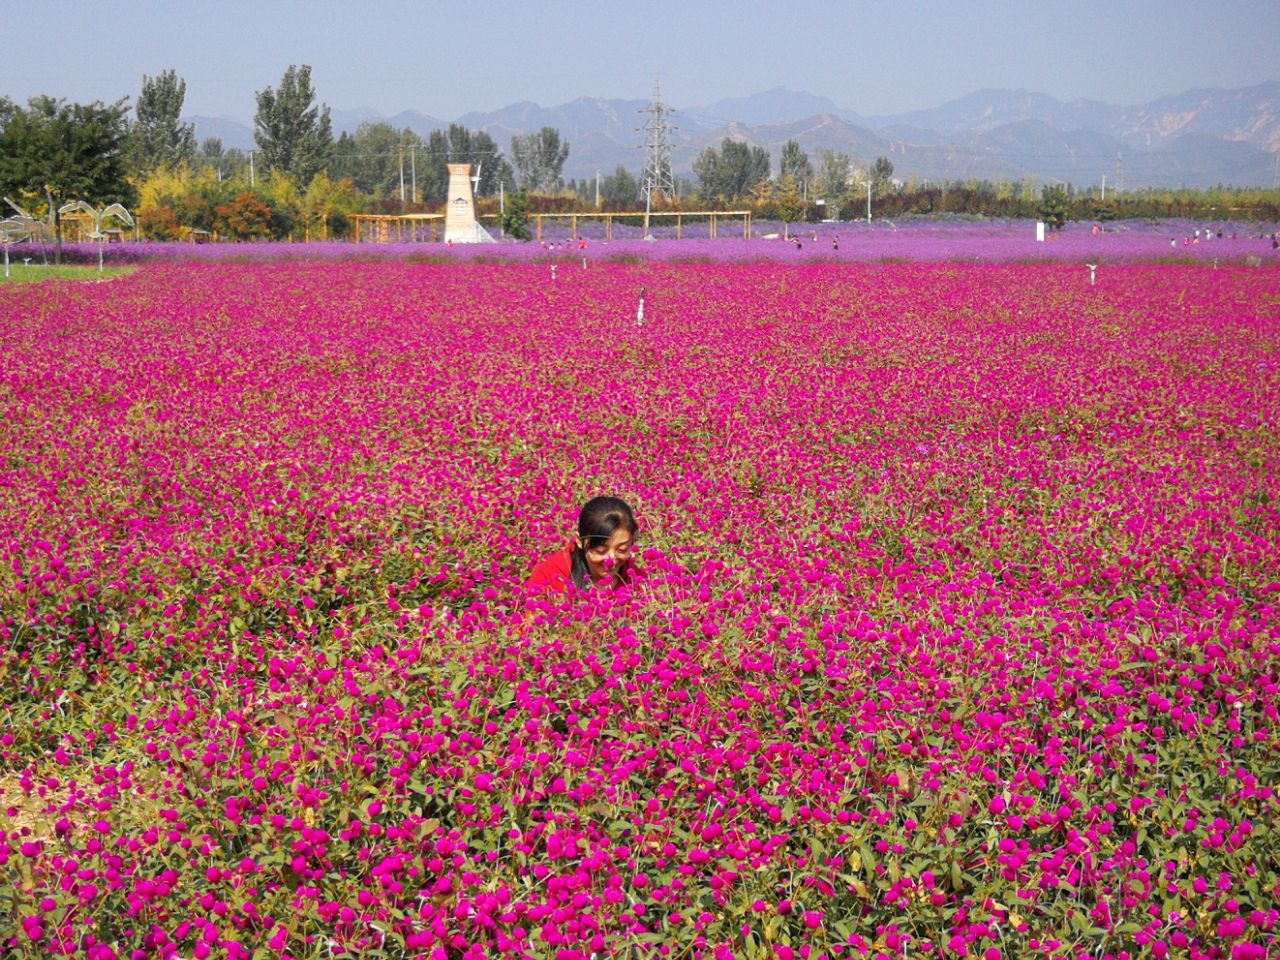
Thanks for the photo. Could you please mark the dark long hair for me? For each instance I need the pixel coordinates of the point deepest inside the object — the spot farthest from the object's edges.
(599, 518)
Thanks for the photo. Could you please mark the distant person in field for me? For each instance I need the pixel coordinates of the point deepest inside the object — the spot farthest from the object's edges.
(600, 555)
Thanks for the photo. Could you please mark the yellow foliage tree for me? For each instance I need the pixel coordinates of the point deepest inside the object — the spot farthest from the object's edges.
(326, 205)
(163, 185)
(762, 193)
(788, 200)
(281, 194)
(172, 200)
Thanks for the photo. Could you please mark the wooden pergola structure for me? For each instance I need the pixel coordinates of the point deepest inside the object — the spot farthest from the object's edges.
(396, 227)
(680, 216)
(424, 227)
(79, 227)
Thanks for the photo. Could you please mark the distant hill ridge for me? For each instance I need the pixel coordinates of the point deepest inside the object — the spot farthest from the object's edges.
(1199, 138)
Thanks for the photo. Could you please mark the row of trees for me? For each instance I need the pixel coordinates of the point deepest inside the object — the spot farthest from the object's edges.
(52, 151)
(1056, 203)
(736, 169)
(301, 182)
(1059, 203)
(294, 136)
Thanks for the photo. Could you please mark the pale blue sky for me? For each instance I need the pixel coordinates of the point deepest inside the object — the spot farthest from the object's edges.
(444, 59)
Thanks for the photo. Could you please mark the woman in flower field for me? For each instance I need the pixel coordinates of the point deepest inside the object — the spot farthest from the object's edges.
(600, 554)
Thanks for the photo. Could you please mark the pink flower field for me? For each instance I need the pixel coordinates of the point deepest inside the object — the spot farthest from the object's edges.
(958, 633)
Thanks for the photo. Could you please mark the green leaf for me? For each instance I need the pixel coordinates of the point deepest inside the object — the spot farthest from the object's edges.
(868, 860)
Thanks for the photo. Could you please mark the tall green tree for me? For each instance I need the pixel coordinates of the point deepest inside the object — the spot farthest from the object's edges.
(457, 144)
(881, 174)
(158, 137)
(515, 219)
(794, 163)
(1054, 205)
(435, 178)
(345, 162)
(487, 157)
(706, 167)
(224, 163)
(732, 171)
(835, 173)
(210, 150)
(620, 188)
(60, 151)
(294, 135)
(371, 158)
(539, 158)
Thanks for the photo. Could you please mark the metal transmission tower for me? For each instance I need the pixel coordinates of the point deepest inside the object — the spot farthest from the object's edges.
(1119, 171)
(657, 163)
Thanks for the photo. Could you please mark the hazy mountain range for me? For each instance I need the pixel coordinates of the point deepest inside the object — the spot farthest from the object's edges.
(1198, 138)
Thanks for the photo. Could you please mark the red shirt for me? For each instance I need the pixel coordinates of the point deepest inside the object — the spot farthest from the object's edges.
(554, 574)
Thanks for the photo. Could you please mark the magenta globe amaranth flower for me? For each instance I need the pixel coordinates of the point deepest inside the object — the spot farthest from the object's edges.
(957, 623)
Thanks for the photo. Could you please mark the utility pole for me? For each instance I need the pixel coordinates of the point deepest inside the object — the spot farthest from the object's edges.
(413, 167)
(402, 173)
(1104, 188)
(657, 164)
(868, 198)
(251, 180)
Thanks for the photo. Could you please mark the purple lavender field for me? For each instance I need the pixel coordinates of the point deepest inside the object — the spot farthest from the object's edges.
(855, 241)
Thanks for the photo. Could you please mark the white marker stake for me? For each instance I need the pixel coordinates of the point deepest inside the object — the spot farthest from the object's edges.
(1093, 272)
(640, 310)
(553, 273)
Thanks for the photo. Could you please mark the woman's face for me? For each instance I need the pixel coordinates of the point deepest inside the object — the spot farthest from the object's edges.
(607, 561)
